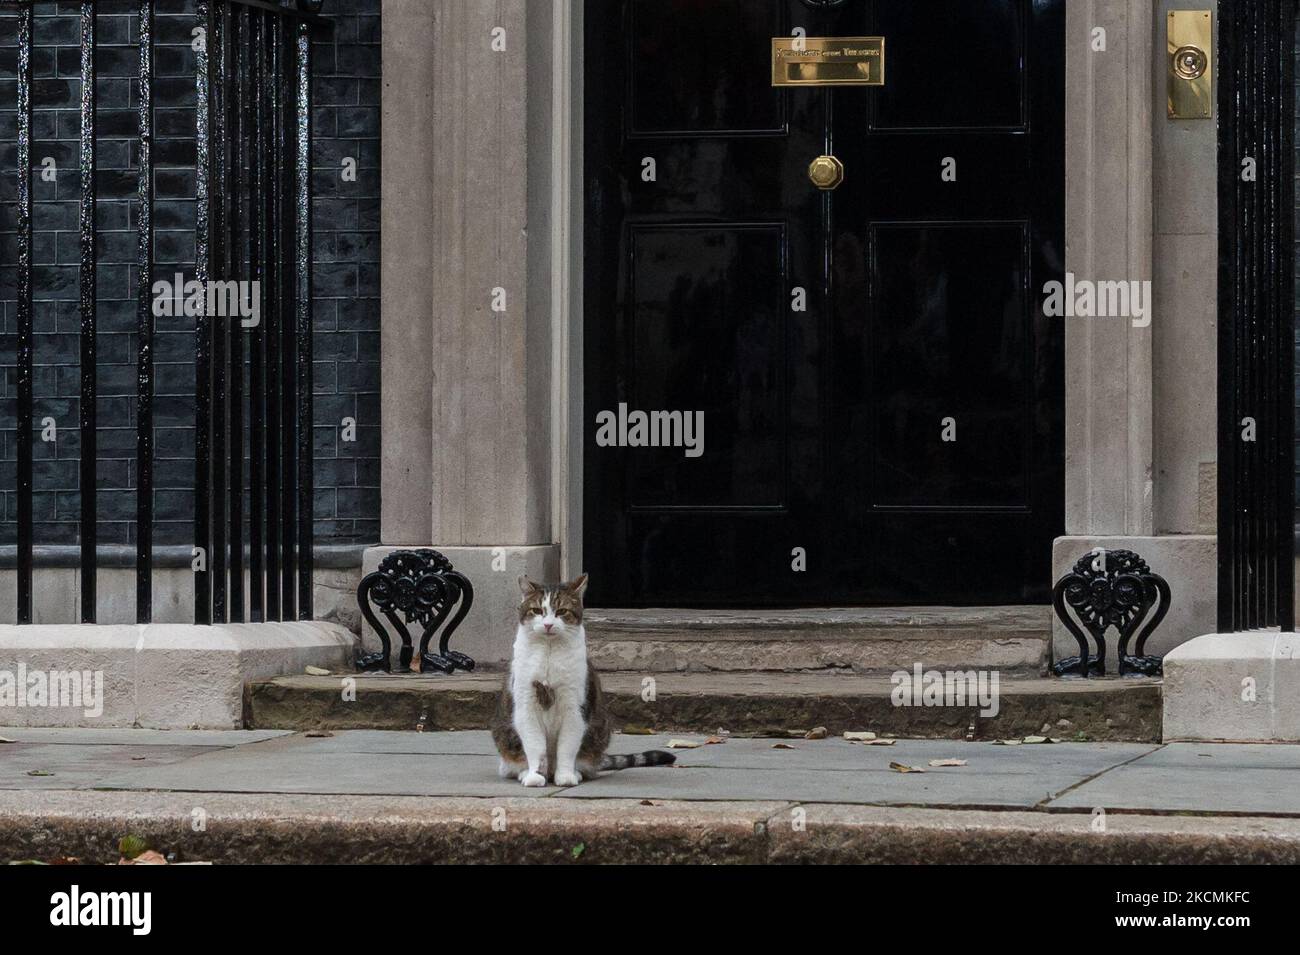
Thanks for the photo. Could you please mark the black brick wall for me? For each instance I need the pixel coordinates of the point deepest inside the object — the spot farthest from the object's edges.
(346, 288)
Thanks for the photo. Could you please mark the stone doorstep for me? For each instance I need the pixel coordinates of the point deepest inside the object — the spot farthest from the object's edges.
(166, 676)
(746, 703)
(308, 828)
(862, 639)
(1243, 687)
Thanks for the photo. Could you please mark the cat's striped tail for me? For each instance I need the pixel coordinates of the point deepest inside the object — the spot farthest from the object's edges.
(653, 757)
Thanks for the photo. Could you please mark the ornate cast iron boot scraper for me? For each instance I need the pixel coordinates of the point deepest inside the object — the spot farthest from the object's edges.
(422, 587)
(1111, 588)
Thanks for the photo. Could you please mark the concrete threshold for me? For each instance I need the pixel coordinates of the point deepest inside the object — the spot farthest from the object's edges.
(763, 704)
(242, 828)
(859, 639)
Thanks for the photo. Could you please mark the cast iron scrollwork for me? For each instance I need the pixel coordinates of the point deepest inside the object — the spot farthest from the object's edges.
(415, 587)
(1111, 588)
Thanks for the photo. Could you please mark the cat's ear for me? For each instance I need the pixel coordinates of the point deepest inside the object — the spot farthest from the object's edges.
(577, 586)
(527, 586)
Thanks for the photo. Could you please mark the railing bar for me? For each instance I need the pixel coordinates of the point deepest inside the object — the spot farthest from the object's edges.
(202, 331)
(23, 429)
(304, 293)
(288, 445)
(275, 262)
(238, 194)
(144, 333)
(86, 291)
(221, 261)
(256, 256)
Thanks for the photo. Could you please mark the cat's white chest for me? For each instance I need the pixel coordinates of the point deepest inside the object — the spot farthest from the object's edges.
(560, 667)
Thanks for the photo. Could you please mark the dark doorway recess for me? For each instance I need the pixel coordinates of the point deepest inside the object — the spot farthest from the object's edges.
(824, 429)
(1257, 259)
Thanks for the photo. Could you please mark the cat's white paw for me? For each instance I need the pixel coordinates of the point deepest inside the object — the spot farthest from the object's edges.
(567, 777)
(532, 779)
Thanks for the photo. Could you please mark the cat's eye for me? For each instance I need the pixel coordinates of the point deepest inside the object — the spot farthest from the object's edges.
(567, 615)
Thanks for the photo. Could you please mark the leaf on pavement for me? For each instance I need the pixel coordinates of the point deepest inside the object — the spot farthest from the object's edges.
(947, 762)
(903, 768)
(683, 744)
(854, 737)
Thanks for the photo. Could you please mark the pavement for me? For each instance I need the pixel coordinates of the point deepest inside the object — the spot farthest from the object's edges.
(369, 795)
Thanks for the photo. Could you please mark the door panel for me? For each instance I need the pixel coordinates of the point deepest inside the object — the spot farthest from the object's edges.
(824, 424)
(951, 322)
(674, 88)
(951, 64)
(707, 305)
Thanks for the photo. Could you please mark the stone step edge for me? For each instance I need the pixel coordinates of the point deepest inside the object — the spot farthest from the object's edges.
(311, 828)
(820, 622)
(1129, 711)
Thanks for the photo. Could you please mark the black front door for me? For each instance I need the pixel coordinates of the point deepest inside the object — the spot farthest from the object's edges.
(806, 397)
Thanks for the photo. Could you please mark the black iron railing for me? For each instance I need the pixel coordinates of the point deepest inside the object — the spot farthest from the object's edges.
(1256, 315)
(252, 225)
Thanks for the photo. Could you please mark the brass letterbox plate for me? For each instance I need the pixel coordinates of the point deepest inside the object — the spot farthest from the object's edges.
(1190, 70)
(828, 61)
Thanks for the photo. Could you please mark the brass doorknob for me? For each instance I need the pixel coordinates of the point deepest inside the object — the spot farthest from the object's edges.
(826, 172)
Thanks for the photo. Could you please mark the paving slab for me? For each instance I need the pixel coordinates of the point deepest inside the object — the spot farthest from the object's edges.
(83, 736)
(1199, 777)
(1195, 777)
(304, 770)
(54, 766)
(825, 771)
(464, 764)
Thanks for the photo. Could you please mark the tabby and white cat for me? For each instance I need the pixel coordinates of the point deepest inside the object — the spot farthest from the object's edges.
(552, 720)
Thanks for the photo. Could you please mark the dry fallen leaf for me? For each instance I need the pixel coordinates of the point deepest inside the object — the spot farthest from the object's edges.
(683, 744)
(877, 742)
(782, 746)
(1037, 739)
(1006, 742)
(6, 739)
(901, 768)
(631, 730)
(148, 857)
(648, 802)
(854, 737)
(817, 732)
(947, 762)
(39, 772)
(318, 734)
(714, 741)
(316, 671)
